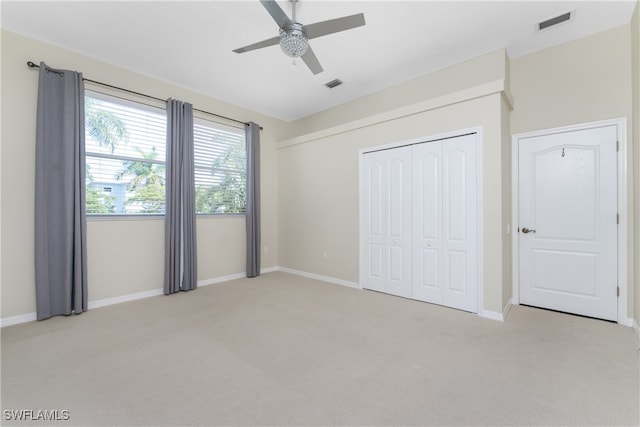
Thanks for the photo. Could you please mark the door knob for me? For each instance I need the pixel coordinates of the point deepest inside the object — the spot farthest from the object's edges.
(526, 230)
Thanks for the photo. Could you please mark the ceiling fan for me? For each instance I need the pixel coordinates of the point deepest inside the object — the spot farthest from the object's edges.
(294, 37)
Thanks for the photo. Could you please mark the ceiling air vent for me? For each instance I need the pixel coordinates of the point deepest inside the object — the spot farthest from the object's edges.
(333, 83)
(555, 21)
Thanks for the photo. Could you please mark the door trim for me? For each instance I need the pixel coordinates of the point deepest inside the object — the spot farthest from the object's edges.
(622, 177)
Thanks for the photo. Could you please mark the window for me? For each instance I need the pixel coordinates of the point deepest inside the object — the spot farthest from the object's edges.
(220, 168)
(125, 156)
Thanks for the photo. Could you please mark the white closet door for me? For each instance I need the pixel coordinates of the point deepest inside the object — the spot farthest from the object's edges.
(445, 217)
(427, 222)
(386, 227)
(460, 223)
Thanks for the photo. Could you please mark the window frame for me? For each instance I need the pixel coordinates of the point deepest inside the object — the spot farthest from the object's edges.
(130, 103)
(198, 119)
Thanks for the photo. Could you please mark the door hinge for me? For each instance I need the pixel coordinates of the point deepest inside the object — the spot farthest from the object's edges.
(617, 218)
(618, 291)
(617, 145)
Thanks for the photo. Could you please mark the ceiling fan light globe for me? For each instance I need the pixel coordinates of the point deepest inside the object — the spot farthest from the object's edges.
(294, 42)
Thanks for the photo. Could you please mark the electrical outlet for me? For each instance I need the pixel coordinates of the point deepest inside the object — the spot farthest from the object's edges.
(266, 249)
(324, 254)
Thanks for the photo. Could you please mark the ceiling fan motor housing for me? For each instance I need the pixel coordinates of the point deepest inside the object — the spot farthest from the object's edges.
(293, 40)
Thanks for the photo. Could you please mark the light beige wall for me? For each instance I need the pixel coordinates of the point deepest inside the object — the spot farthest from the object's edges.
(635, 83)
(126, 256)
(490, 67)
(311, 203)
(585, 80)
(319, 190)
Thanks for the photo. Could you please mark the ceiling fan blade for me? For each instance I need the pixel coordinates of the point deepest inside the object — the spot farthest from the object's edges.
(312, 62)
(276, 13)
(334, 25)
(259, 45)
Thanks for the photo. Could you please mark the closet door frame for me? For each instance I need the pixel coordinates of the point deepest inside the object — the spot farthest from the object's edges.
(479, 196)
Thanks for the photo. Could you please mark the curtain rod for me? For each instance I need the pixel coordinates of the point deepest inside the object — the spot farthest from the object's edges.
(33, 65)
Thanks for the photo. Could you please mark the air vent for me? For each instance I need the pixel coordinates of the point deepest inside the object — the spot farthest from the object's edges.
(555, 21)
(333, 83)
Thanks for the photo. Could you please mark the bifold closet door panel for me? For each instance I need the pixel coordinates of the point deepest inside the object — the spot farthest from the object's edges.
(445, 222)
(427, 222)
(460, 223)
(386, 261)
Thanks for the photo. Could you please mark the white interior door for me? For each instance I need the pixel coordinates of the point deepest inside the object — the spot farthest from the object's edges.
(386, 227)
(567, 222)
(445, 218)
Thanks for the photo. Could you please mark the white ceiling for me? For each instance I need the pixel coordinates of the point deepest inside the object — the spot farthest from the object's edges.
(189, 43)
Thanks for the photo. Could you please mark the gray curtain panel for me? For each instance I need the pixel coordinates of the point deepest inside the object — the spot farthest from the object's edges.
(180, 270)
(60, 221)
(253, 199)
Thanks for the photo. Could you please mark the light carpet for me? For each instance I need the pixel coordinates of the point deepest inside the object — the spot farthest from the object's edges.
(286, 350)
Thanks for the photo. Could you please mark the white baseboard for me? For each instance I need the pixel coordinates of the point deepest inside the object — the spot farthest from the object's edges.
(124, 298)
(329, 279)
(235, 276)
(507, 309)
(494, 315)
(626, 321)
(636, 328)
(15, 320)
(214, 280)
(31, 317)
